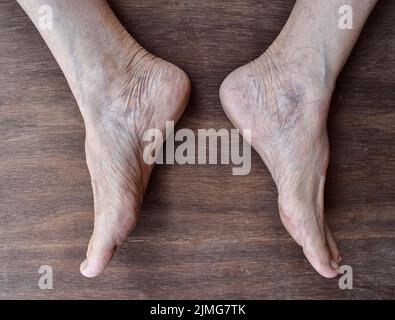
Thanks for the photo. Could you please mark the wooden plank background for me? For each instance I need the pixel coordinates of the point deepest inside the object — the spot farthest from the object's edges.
(203, 233)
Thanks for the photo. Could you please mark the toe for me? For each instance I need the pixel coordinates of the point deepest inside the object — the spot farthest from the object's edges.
(99, 254)
(308, 230)
(318, 253)
(335, 252)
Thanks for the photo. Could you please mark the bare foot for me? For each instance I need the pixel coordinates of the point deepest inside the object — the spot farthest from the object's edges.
(285, 101)
(120, 100)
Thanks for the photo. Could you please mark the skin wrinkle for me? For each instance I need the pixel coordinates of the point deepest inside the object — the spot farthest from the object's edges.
(283, 96)
(121, 90)
(121, 173)
(281, 112)
(284, 118)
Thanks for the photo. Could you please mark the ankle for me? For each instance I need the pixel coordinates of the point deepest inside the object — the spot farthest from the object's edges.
(304, 62)
(99, 76)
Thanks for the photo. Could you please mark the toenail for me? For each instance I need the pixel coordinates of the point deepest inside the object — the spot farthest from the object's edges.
(84, 265)
(334, 265)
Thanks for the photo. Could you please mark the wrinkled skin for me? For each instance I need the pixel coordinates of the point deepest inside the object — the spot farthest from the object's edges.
(283, 97)
(286, 110)
(122, 90)
(144, 94)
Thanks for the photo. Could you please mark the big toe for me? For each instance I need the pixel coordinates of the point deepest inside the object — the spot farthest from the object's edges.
(309, 230)
(318, 253)
(100, 251)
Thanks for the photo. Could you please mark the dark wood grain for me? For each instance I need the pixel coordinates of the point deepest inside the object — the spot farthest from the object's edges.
(203, 233)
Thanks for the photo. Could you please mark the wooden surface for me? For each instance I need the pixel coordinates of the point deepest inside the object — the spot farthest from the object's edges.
(203, 233)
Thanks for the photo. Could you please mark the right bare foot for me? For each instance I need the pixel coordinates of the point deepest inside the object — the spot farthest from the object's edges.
(120, 99)
(122, 91)
(285, 101)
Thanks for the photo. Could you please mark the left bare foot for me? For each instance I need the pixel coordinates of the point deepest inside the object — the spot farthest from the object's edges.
(285, 103)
